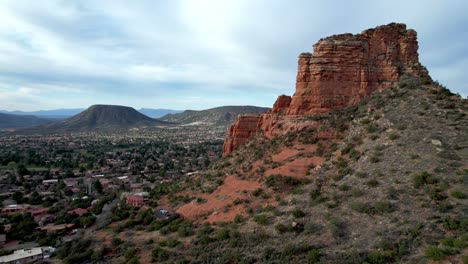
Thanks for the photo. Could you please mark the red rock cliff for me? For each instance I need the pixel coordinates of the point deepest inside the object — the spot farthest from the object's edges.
(342, 70)
(241, 130)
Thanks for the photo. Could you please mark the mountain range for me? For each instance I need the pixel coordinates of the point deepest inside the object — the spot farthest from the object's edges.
(65, 113)
(117, 118)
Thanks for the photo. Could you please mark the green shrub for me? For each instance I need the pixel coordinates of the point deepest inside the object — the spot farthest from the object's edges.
(354, 154)
(361, 207)
(374, 158)
(297, 213)
(377, 257)
(372, 183)
(393, 136)
(238, 219)
(313, 256)
(337, 228)
(422, 179)
(261, 219)
(457, 194)
(371, 128)
(434, 253)
(450, 223)
(222, 234)
(116, 241)
(383, 207)
(158, 254)
(360, 174)
(344, 187)
(257, 192)
(280, 228)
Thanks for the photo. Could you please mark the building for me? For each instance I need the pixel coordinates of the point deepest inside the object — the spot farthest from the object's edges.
(135, 200)
(78, 211)
(15, 208)
(53, 229)
(38, 211)
(27, 255)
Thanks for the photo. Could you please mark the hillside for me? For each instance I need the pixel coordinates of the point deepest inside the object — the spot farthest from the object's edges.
(350, 169)
(103, 118)
(10, 121)
(219, 116)
(389, 186)
(366, 163)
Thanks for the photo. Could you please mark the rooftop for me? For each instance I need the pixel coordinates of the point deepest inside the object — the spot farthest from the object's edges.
(21, 254)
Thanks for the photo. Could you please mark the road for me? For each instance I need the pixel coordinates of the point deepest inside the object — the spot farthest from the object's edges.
(101, 221)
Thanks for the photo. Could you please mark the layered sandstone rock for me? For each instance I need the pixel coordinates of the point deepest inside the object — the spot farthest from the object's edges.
(281, 105)
(342, 70)
(241, 130)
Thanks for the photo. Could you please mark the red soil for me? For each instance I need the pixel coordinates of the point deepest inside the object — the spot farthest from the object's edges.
(216, 202)
(297, 168)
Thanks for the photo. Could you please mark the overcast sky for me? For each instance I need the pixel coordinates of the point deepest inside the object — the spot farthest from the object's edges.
(197, 54)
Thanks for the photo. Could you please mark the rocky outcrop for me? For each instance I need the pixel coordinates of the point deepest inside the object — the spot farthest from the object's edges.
(281, 105)
(345, 68)
(241, 130)
(342, 70)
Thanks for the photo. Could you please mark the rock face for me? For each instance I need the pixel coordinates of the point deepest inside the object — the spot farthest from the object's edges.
(244, 127)
(281, 105)
(342, 70)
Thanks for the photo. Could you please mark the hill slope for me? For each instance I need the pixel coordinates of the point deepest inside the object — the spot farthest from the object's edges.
(21, 121)
(220, 116)
(366, 163)
(352, 169)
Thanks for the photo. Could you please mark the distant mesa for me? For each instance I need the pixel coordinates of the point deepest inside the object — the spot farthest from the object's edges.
(101, 117)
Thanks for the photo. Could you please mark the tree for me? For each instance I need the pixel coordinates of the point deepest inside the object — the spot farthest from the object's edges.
(12, 179)
(12, 165)
(97, 186)
(22, 170)
(22, 226)
(35, 198)
(86, 221)
(18, 196)
(61, 184)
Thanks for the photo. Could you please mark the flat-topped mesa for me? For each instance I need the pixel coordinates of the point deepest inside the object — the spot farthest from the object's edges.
(342, 70)
(345, 68)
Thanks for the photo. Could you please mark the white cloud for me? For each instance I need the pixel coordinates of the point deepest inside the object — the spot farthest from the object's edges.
(117, 50)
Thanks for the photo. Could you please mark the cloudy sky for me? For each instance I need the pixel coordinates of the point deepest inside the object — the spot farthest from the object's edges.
(184, 54)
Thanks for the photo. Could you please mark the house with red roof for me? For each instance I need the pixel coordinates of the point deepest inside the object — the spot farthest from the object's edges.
(78, 211)
(135, 200)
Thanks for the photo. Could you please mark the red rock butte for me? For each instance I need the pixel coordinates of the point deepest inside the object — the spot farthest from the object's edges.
(339, 73)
